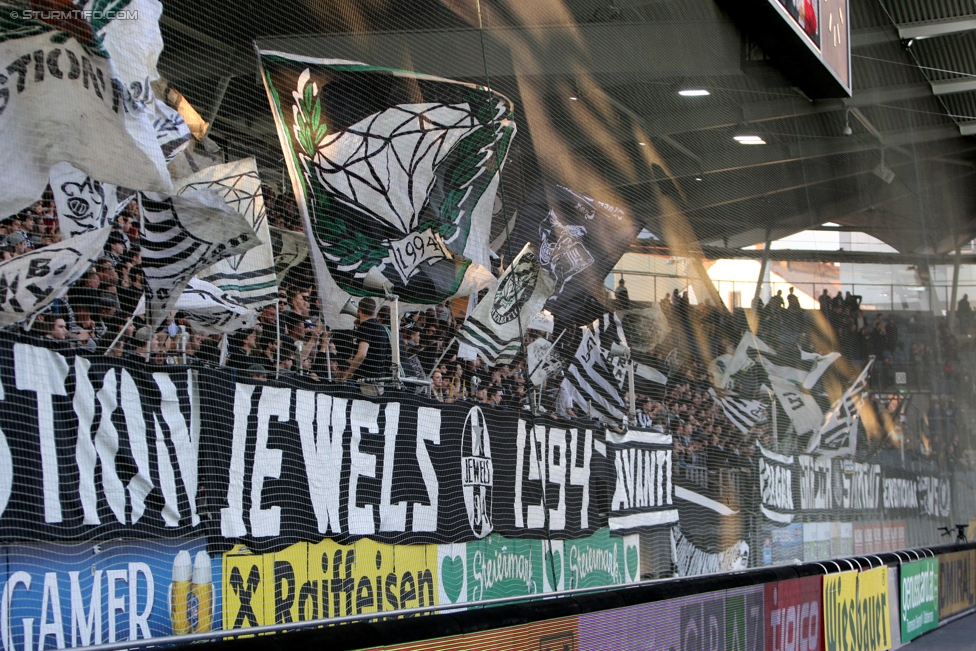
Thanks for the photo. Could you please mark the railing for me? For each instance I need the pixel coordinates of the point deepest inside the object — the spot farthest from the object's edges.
(697, 475)
(740, 293)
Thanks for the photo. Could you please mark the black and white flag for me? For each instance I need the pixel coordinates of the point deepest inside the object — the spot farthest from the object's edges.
(838, 433)
(542, 361)
(496, 326)
(212, 311)
(776, 481)
(590, 380)
(744, 414)
(579, 240)
(65, 101)
(171, 131)
(180, 237)
(248, 278)
(83, 203)
(29, 282)
(608, 330)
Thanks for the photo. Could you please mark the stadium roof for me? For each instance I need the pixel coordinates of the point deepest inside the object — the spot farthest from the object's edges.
(629, 135)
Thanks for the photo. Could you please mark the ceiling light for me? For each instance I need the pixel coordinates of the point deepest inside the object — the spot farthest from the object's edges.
(693, 92)
(698, 178)
(750, 140)
(573, 97)
(642, 144)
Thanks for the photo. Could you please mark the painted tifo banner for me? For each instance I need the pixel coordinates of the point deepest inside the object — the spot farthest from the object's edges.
(304, 464)
(98, 448)
(402, 179)
(78, 595)
(919, 598)
(956, 591)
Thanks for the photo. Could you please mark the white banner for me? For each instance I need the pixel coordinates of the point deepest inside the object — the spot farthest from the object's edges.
(64, 102)
(29, 282)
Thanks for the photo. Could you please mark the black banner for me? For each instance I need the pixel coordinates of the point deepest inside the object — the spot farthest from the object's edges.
(305, 464)
(94, 448)
(643, 496)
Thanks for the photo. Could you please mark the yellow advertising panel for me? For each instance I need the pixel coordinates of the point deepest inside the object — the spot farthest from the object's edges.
(956, 591)
(244, 576)
(873, 613)
(840, 611)
(315, 581)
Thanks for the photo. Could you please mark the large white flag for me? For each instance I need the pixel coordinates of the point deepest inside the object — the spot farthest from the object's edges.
(64, 101)
(181, 236)
(212, 311)
(542, 360)
(495, 328)
(29, 282)
(838, 434)
(798, 403)
(248, 278)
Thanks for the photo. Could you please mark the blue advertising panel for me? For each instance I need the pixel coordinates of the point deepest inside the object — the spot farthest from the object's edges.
(73, 595)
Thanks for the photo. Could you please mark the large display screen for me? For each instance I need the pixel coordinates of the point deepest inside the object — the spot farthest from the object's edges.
(809, 40)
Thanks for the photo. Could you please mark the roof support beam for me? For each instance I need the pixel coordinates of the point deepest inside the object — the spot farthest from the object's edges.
(953, 86)
(932, 28)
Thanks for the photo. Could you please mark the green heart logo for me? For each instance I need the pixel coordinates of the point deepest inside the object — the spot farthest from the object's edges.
(554, 568)
(452, 576)
(633, 563)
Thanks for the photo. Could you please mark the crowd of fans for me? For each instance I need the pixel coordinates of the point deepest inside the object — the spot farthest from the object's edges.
(95, 315)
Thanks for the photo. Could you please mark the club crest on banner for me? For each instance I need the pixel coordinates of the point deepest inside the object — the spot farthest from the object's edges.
(515, 289)
(477, 473)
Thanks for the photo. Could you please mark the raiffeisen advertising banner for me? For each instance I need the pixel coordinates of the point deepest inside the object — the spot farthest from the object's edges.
(314, 581)
(919, 598)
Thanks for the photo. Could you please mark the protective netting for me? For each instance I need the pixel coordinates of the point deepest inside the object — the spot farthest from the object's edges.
(314, 310)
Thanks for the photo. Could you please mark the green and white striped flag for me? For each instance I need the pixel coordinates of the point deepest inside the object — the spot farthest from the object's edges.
(496, 326)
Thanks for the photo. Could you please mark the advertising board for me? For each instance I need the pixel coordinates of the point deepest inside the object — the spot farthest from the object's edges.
(919, 598)
(793, 614)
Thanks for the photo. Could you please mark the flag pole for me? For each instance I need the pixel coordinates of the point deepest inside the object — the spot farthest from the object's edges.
(437, 363)
(121, 332)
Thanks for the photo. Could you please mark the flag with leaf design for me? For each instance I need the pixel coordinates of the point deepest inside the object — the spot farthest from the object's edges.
(392, 170)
